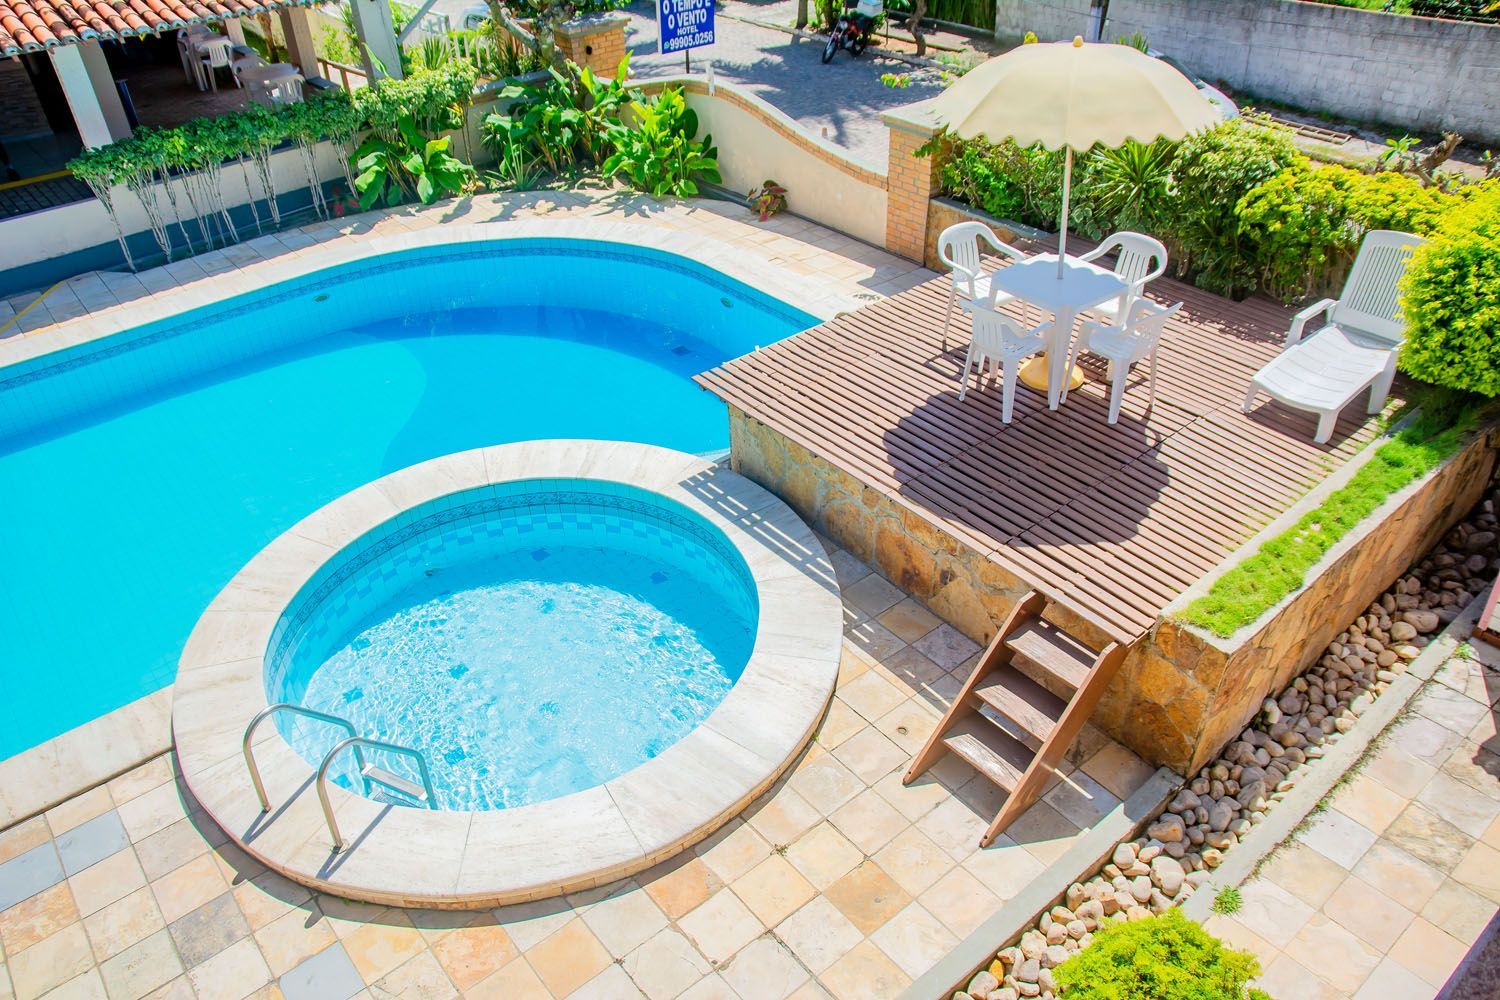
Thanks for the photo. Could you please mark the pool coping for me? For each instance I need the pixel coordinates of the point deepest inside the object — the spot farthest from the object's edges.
(416, 857)
(716, 255)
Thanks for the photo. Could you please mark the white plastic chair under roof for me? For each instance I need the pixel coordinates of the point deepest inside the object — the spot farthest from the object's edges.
(1356, 349)
(1141, 258)
(959, 248)
(1123, 344)
(214, 54)
(1000, 342)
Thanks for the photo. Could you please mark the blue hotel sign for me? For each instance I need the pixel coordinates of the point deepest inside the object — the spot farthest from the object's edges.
(684, 24)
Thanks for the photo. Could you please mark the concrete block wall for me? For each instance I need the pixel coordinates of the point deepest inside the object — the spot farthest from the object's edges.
(1421, 73)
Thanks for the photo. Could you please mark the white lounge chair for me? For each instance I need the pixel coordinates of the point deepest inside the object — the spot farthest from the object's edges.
(1001, 342)
(1140, 259)
(1123, 344)
(1356, 349)
(958, 246)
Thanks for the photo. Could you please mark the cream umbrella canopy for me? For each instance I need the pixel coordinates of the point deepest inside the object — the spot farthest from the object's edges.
(1073, 96)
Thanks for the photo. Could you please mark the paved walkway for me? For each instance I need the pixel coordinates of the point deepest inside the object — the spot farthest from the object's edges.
(839, 882)
(1381, 895)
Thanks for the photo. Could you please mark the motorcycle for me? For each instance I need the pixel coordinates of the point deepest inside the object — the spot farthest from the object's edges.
(853, 28)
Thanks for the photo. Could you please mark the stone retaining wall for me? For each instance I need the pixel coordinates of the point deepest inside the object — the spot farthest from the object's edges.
(1180, 694)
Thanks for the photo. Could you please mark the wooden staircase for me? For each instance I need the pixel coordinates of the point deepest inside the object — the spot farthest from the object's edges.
(1013, 730)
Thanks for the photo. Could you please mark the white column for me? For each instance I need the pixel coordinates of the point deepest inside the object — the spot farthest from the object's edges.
(103, 82)
(297, 28)
(235, 30)
(83, 100)
(377, 38)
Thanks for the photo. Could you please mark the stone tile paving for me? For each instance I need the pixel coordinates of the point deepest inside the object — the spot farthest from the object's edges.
(838, 882)
(843, 265)
(1381, 895)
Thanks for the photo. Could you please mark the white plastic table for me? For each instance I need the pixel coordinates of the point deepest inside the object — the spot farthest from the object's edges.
(1082, 286)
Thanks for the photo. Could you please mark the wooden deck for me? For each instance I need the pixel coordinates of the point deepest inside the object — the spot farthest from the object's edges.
(1112, 522)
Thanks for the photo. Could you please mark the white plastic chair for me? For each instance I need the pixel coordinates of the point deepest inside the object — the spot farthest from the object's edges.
(1356, 349)
(213, 55)
(1141, 258)
(958, 247)
(1122, 345)
(1000, 342)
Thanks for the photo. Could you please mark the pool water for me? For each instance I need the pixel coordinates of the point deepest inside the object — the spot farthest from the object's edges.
(532, 652)
(139, 475)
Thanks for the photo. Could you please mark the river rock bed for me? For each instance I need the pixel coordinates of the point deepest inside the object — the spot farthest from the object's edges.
(1232, 795)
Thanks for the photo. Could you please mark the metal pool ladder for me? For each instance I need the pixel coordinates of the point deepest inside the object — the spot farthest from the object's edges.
(368, 773)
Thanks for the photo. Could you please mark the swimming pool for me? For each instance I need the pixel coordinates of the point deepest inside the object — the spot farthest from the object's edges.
(142, 470)
(529, 640)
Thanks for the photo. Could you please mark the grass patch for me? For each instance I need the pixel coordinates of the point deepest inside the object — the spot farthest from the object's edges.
(1228, 901)
(1280, 566)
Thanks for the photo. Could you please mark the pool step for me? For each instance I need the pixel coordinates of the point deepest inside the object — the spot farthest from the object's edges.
(394, 782)
(1010, 728)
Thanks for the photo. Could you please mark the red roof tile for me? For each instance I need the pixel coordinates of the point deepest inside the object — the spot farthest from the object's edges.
(34, 25)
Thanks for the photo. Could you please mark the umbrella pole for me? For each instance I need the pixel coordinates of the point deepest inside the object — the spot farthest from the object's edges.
(1062, 239)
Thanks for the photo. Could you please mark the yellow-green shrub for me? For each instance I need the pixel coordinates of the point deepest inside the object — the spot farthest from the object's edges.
(1452, 299)
(1167, 957)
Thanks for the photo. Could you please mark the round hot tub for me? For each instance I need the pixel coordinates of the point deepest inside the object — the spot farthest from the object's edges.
(564, 661)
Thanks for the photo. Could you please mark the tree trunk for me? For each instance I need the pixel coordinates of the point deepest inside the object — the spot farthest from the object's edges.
(914, 25)
(801, 13)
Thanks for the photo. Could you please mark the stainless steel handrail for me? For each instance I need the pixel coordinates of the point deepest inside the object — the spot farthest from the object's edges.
(357, 742)
(266, 713)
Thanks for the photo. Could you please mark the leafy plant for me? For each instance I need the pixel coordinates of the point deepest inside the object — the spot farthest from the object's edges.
(659, 152)
(1131, 185)
(1135, 41)
(1228, 901)
(1166, 957)
(389, 168)
(768, 200)
(1452, 299)
(1029, 38)
(560, 124)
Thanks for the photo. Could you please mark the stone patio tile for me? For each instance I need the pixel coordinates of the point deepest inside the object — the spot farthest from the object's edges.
(960, 901)
(1455, 712)
(946, 646)
(710, 987)
(141, 968)
(421, 977)
(1337, 837)
(611, 984)
(870, 755)
(852, 663)
(1428, 741)
(1337, 956)
(568, 958)
(773, 890)
(868, 897)
(1399, 771)
(954, 827)
(1480, 871)
(78, 810)
(1429, 837)
(152, 812)
(23, 837)
(123, 923)
(531, 923)
(910, 724)
(170, 849)
(664, 967)
(267, 896)
(625, 920)
(1303, 872)
(869, 821)
(1284, 978)
(1457, 803)
(233, 974)
(733, 850)
(765, 969)
(208, 930)
(1429, 952)
(824, 855)
(1080, 799)
(818, 934)
(113, 878)
(847, 567)
(1005, 867)
(721, 927)
(781, 815)
(293, 938)
(914, 861)
(910, 669)
(328, 975)
(873, 594)
(871, 695)
(1117, 769)
(36, 918)
(1237, 935)
(1476, 767)
(1393, 981)
(377, 948)
(1408, 880)
(826, 783)
(1369, 803)
(188, 887)
(865, 973)
(1271, 912)
(88, 986)
(914, 939)
(28, 873)
(1373, 915)
(1467, 677)
(839, 724)
(1458, 910)
(1042, 831)
(51, 962)
(137, 782)
(909, 620)
(681, 884)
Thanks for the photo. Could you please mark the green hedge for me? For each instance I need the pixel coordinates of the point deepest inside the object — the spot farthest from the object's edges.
(1166, 957)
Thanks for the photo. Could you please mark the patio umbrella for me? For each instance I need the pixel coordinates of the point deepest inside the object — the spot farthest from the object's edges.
(1068, 95)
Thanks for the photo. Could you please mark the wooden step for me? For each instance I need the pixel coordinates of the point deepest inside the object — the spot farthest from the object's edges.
(1033, 708)
(1048, 647)
(990, 750)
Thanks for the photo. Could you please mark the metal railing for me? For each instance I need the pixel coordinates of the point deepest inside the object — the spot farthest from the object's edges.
(368, 774)
(266, 713)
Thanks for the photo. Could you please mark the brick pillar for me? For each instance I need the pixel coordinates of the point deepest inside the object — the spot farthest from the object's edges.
(911, 180)
(594, 40)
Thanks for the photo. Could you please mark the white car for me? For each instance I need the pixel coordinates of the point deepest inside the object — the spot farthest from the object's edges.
(1227, 108)
(475, 14)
